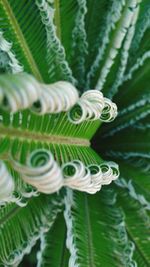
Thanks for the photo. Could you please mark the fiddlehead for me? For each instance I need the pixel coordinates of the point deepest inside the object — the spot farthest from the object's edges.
(93, 106)
(43, 172)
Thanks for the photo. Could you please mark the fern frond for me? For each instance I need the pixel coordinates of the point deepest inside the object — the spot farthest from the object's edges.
(54, 47)
(21, 227)
(16, 94)
(127, 20)
(112, 18)
(93, 106)
(101, 220)
(53, 250)
(134, 211)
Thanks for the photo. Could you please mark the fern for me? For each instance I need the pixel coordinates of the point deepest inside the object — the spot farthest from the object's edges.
(74, 133)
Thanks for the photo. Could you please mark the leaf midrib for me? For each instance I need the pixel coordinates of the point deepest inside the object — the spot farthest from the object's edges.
(57, 18)
(90, 252)
(21, 40)
(28, 135)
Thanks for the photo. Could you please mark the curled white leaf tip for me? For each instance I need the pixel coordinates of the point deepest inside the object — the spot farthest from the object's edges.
(110, 172)
(92, 106)
(96, 176)
(23, 91)
(6, 184)
(76, 175)
(18, 91)
(89, 178)
(109, 112)
(7, 188)
(55, 98)
(41, 171)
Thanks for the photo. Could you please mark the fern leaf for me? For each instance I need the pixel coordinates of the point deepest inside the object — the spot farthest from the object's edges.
(134, 211)
(21, 227)
(91, 221)
(53, 250)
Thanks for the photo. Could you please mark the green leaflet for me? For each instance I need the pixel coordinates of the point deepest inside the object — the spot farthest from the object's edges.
(134, 192)
(140, 42)
(21, 227)
(136, 185)
(53, 248)
(111, 18)
(96, 27)
(134, 212)
(96, 234)
(48, 125)
(79, 42)
(118, 25)
(124, 56)
(65, 17)
(29, 54)
(134, 53)
(55, 51)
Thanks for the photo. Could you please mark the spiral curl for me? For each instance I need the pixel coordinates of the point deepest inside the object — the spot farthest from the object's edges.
(92, 106)
(57, 97)
(21, 91)
(109, 112)
(91, 178)
(110, 172)
(41, 171)
(7, 188)
(18, 91)
(76, 175)
(6, 184)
